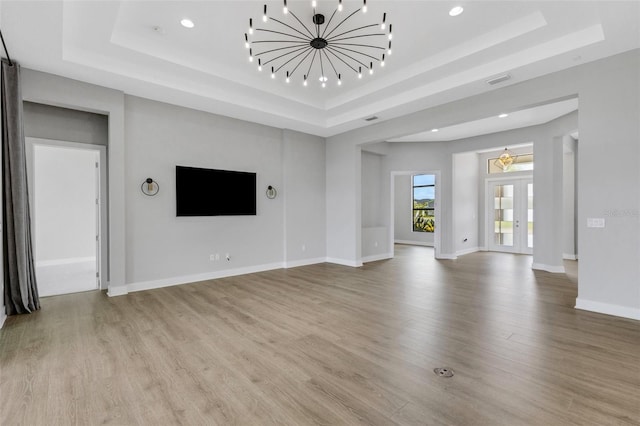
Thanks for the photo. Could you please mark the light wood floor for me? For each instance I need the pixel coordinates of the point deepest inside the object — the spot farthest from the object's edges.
(327, 344)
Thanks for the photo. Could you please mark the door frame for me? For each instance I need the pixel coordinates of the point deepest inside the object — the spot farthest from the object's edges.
(489, 210)
(102, 256)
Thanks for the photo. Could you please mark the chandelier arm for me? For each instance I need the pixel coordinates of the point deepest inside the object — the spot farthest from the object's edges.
(297, 56)
(284, 54)
(312, 60)
(328, 23)
(285, 34)
(301, 61)
(355, 51)
(287, 25)
(351, 57)
(360, 45)
(274, 50)
(332, 66)
(343, 61)
(303, 25)
(358, 36)
(350, 31)
(279, 41)
(342, 22)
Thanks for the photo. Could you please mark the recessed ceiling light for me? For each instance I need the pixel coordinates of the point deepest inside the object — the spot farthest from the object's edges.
(434, 130)
(187, 23)
(455, 11)
(503, 115)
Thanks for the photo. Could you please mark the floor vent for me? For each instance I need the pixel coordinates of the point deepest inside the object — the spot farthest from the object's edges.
(443, 372)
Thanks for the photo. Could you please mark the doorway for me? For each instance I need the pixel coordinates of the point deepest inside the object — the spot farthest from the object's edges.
(510, 215)
(66, 187)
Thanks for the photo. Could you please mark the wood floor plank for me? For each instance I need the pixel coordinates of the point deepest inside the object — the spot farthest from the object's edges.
(328, 345)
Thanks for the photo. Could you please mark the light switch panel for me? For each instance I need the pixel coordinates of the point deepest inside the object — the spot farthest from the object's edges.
(595, 222)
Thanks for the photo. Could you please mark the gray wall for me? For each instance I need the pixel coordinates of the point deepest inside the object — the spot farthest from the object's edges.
(63, 124)
(465, 202)
(609, 109)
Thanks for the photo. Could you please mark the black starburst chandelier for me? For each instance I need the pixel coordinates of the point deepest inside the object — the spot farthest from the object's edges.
(311, 47)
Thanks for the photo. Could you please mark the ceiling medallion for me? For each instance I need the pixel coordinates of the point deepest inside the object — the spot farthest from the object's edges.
(313, 47)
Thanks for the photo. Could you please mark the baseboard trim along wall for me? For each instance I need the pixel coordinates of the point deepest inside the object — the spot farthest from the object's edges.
(304, 262)
(446, 256)
(467, 251)
(344, 262)
(567, 256)
(3, 317)
(413, 243)
(606, 308)
(548, 268)
(113, 291)
(65, 261)
(376, 257)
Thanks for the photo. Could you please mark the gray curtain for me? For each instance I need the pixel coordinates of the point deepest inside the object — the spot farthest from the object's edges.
(20, 289)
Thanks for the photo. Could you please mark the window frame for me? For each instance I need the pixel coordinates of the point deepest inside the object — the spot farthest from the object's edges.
(413, 203)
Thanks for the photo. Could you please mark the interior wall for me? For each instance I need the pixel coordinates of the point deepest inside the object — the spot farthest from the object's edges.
(568, 197)
(465, 202)
(64, 124)
(162, 246)
(305, 198)
(64, 211)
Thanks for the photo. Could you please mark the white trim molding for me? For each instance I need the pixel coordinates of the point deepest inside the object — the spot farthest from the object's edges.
(549, 268)
(467, 251)
(114, 291)
(413, 243)
(376, 257)
(304, 262)
(446, 256)
(65, 261)
(609, 309)
(189, 279)
(567, 256)
(3, 317)
(344, 262)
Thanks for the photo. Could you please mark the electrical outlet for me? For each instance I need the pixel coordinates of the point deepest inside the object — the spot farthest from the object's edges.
(228, 257)
(217, 256)
(212, 257)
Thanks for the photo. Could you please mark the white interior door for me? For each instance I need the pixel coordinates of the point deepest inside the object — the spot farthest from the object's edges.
(65, 187)
(510, 216)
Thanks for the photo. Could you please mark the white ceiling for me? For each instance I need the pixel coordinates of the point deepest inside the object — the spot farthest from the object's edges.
(436, 58)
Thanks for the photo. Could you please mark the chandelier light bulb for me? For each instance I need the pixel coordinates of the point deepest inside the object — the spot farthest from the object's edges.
(314, 3)
(287, 80)
(389, 50)
(340, 6)
(360, 72)
(250, 56)
(250, 26)
(455, 11)
(246, 41)
(259, 65)
(383, 25)
(305, 81)
(285, 10)
(339, 79)
(364, 7)
(382, 62)
(324, 85)
(265, 18)
(371, 68)
(273, 73)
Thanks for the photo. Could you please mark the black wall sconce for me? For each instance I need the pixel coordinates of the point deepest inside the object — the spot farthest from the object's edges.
(149, 187)
(271, 192)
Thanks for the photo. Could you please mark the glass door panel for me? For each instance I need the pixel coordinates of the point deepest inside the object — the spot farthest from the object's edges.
(511, 218)
(503, 215)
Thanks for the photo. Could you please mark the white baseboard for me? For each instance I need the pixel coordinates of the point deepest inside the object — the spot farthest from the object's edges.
(446, 256)
(548, 268)
(65, 261)
(413, 243)
(609, 309)
(188, 279)
(119, 290)
(376, 257)
(567, 256)
(467, 251)
(344, 262)
(304, 262)
(3, 317)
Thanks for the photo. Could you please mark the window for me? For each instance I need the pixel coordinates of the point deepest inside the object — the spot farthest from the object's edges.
(424, 203)
(521, 163)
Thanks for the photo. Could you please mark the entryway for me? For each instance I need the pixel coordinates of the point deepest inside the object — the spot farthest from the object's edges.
(510, 215)
(66, 183)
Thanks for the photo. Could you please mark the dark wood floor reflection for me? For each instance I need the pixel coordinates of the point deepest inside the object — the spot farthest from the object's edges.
(328, 344)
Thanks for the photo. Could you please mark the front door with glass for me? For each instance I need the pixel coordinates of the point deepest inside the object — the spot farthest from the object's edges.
(510, 216)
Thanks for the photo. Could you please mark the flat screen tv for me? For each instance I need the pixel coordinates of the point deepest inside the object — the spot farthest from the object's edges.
(210, 192)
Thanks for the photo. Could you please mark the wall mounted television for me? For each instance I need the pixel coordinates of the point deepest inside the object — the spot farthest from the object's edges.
(211, 192)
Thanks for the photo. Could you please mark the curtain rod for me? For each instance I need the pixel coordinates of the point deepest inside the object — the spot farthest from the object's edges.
(5, 49)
